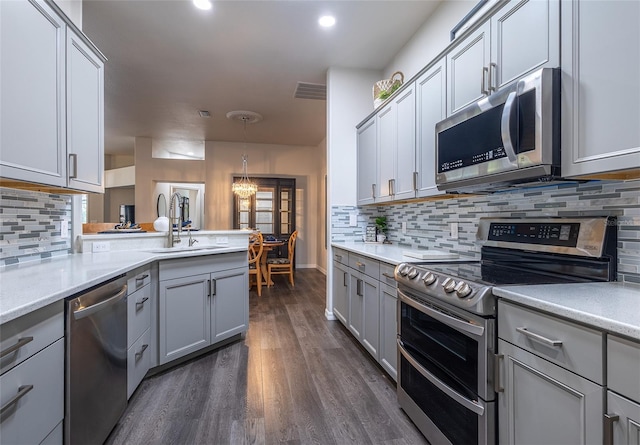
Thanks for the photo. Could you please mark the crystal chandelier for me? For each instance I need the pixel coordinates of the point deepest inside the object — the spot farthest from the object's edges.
(244, 188)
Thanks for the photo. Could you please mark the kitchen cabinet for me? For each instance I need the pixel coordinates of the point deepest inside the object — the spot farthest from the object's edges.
(202, 300)
(522, 36)
(600, 71)
(622, 418)
(367, 162)
(396, 142)
(388, 321)
(139, 315)
(550, 379)
(51, 81)
(431, 108)
(341, 285)
(33, 400)
(364, 311)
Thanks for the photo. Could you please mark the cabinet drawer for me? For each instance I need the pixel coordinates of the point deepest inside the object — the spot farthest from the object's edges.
(138, 313)
(38, 411)
(138, 279)
(623, 366)
(365, 265)
(580, 349)
(30, 333)
(386, 274)
(340, 256)
(186, 267)
(138, 361)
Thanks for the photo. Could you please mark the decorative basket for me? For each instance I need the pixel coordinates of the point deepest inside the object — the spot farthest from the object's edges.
(382, 89)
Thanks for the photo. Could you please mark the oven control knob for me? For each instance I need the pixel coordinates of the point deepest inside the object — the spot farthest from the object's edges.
(413, 272)
(429, 278)
(402, 269)
(463, 289)
(449, 285)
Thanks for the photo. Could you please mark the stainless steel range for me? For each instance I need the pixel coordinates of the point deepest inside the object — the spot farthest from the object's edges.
(447, 333)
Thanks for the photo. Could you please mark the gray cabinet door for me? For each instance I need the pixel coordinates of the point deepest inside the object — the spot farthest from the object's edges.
(371, 315)
(600, 102)
(468, 69)
(366, 162)
(525, 36)
(389, 329)
(341, 293)
(356, 303)
(544, 403)
(405, 159)
(387, 149)
(431, 108)
(32, 96)
(85, 116)
(185, 317)
(229, 303)
(625, 429)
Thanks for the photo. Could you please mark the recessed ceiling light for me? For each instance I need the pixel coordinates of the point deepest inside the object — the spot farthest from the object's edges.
(202, 4)
(204, 113)
(327, 21)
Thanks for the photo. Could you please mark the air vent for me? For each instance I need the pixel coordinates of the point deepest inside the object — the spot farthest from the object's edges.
(204, 113)
(311, 91)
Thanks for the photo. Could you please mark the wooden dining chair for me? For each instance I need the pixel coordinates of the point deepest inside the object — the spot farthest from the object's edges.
(280, 266)
(255, 253)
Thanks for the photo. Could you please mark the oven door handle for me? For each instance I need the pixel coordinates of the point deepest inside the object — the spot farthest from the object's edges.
(471, 405)
(456, 323)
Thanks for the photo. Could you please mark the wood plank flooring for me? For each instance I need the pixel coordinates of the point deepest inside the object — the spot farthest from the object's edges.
(296, 378)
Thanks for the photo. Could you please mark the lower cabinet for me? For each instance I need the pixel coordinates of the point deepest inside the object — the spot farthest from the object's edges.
(139, 316)
(365, 311)
(341, 292)
(622, 421)
(389, 329)
(622, 418)
(202, 300)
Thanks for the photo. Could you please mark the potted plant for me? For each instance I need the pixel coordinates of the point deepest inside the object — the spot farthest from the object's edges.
(381, 227)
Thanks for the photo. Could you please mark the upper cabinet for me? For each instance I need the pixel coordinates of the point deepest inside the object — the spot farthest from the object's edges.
(367, 162)
(601, 92)
(51, 97)
(523, 36)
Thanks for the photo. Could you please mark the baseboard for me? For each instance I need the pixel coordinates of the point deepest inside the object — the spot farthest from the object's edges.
(329, 315)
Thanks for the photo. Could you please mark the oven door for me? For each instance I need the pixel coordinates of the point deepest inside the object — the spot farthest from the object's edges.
(444, 378)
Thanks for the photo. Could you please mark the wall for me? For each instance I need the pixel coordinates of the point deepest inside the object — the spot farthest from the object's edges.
(73, 10)
(222, 162)
(30, 225)
(428, 222)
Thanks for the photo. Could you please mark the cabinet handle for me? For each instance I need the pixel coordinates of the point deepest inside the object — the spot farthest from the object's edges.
(391, 193)
(22, 391)
(360, 265)
(415, 181)
(338, 257)
(20, 343)
(139, 354)
(608, 427)
(140, 303)
(142, 277)
(359, 287)
(344, 279)
(73, 160)
(539, 338)
(373, 191)
(492, 76)
(388, 276)
(213, 286)
(496, 372)
(483, 90)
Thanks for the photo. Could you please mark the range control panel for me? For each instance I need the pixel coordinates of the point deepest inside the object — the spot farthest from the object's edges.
(551, 234)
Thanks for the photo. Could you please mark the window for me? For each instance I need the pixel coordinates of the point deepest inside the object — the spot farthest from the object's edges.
(271, 210)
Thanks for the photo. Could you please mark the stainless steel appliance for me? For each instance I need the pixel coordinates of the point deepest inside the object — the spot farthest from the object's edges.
(509, 137)
(447, 332)
(127, 213)
(96, 362)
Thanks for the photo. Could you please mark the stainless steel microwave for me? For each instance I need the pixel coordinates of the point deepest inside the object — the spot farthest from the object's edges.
(510, 137)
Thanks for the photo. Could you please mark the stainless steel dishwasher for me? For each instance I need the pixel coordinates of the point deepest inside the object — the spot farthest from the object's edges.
(96, 362)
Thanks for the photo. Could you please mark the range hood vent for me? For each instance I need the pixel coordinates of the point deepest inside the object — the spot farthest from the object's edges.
(306, 90)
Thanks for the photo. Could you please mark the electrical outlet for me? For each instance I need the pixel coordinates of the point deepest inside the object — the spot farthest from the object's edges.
(453, 228)
(222, 240)
(404, 227)
(64, 229)
(100, 246)
(353, 220)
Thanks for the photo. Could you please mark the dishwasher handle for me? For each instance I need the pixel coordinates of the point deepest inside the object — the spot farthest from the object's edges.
(90, 310)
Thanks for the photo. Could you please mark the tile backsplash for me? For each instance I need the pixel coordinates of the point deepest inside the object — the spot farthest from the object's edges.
(428, 222)
(30, 225)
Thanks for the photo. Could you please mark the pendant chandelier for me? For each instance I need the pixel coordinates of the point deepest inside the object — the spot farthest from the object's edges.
(244, 188)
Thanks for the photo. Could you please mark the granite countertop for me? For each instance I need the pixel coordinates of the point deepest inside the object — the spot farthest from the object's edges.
(392, 253)
(31, 286)
(612, 307)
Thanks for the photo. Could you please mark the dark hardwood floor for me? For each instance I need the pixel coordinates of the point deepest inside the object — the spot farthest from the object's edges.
(296, 378)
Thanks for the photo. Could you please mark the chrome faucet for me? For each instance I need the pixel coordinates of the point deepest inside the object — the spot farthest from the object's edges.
(173, 241)
(192, 241)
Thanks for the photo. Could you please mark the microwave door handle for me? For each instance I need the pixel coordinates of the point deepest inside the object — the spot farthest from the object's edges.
(507, 112)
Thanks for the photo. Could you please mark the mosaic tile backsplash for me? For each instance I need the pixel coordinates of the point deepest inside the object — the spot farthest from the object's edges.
(30, 225)
(428, 223)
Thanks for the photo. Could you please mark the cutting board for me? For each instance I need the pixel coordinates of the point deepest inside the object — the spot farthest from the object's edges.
(430, 254)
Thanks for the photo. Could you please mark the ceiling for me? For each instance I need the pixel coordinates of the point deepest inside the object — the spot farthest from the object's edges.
(168, 60)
